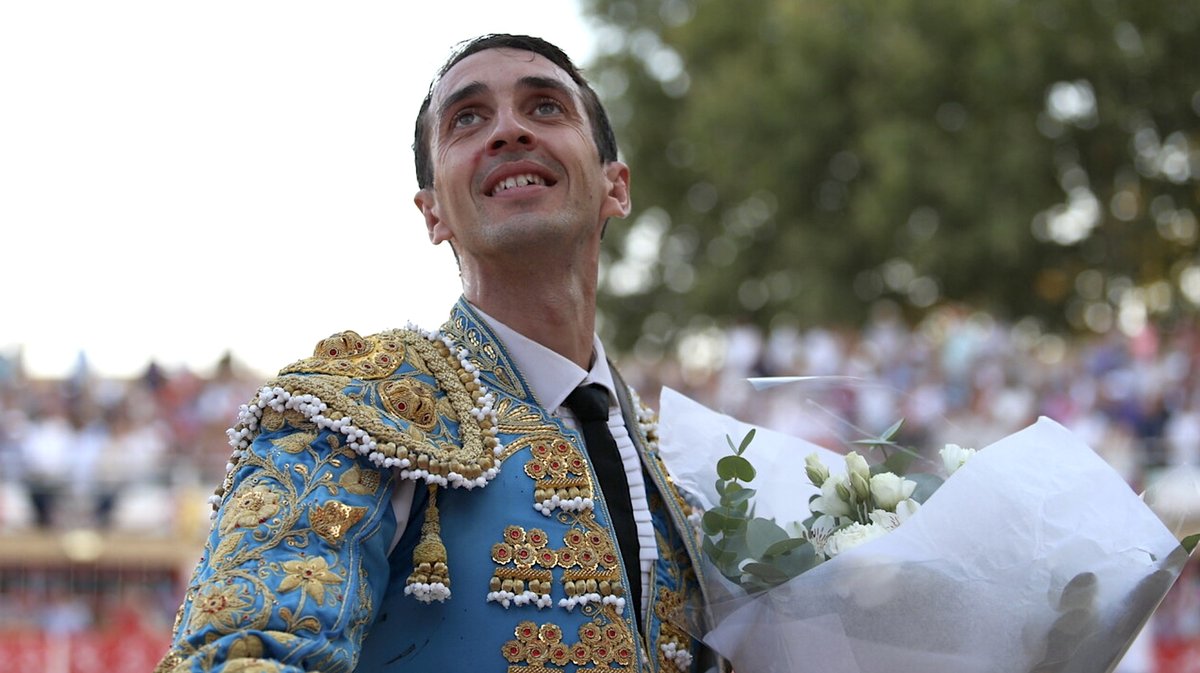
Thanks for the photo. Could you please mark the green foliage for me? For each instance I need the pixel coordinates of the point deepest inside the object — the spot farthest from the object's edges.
(797, 160)
(1189, 542)
(752, 551)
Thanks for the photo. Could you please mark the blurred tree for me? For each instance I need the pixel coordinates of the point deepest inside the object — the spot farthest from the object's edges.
(797, 160)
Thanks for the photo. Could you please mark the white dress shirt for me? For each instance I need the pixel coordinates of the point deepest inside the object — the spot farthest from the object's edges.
(551, 377)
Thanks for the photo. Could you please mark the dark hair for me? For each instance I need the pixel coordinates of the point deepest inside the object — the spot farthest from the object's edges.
(602, 132)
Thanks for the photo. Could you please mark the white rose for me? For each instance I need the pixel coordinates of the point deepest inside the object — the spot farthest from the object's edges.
(889, 489)
(906, 508)
(954, 457)
(852, 536)
(887, 520)
(829, 502)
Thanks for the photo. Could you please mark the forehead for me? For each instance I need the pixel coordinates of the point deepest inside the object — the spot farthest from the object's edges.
(496, 70)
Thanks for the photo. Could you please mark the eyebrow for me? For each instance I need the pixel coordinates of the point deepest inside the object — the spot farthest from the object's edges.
(531, 82)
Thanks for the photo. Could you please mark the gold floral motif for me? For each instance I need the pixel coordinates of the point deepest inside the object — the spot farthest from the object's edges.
(341, 346)
(532, 558)
(359, 481)
(350, 354)
(541, 648)
(251, 507)
(219, 606)
(295, 442)
(411, 400)
(558, 468)
(226, 549)
(333, 519)
(253, 666)
(309, 574)
(246, 647)
(273, 420)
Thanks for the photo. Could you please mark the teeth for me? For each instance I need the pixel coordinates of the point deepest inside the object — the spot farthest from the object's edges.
(517, 181)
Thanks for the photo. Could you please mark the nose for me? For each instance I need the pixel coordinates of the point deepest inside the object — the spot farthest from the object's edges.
(511, 131)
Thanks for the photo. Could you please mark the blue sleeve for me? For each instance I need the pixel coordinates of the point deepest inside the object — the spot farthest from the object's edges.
(296, 562)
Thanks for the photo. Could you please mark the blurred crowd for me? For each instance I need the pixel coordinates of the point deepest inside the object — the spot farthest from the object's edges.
(961, 377)
(85, 450)
(105, 454)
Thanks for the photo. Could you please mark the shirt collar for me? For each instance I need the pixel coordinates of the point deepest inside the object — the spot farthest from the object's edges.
(551, 376)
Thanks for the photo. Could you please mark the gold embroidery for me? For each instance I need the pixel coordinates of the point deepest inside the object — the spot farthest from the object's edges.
(246, 647)
(251, 506)
(169, 662)
(412, 400)
(253, 666)
(295, 442)
(349, 354)
(273, 420)
(526, 551)
(601, 644)
(470, 455)
(310, 574)
(226, 549)
(558, 469)
(359, 481)
(221, 607)
(332, 519)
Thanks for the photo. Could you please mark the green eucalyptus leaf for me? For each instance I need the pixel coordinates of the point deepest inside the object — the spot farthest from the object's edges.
(746, 442)
(768, 573)
(742, 495)
(726, 469)
(887, 435)
(926, 485)
(761, 534)
(714, 521)
(1189, 542)
(897, 463)
(798, 561)
(784, 546)
(735, 467)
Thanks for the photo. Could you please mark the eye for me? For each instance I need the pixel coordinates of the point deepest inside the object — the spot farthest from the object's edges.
(548, 106)
(464, 118)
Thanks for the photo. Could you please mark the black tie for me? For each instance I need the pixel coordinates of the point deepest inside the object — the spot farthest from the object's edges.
(590, 406)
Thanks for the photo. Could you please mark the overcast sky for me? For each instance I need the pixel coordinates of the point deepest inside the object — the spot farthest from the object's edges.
(178, 179)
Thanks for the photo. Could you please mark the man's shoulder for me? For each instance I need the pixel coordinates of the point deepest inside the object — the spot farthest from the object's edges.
(352, 355)
(402, 398)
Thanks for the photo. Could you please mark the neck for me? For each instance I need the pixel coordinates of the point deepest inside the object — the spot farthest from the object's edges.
(554, 306)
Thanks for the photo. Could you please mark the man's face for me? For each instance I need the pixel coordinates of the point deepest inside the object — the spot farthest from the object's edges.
(514, 162)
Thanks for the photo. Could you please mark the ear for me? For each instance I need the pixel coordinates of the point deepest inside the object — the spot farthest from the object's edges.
(616, 201)
(426, 202)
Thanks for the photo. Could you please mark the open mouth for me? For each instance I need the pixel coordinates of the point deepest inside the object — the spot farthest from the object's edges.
(522, 180)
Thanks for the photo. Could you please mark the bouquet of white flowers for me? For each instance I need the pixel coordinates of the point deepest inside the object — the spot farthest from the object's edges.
(1034, 557)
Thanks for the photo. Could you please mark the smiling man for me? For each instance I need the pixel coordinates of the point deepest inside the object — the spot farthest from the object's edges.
(483, 497)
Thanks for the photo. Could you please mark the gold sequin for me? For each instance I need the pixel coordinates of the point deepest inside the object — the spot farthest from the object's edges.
(359, 481)
(333, 519)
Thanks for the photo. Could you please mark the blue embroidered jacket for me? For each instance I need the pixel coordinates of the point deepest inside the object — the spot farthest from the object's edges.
(507, 563)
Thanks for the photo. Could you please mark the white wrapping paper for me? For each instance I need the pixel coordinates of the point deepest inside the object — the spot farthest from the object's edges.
(1035, 556)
